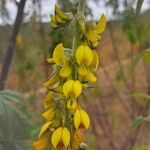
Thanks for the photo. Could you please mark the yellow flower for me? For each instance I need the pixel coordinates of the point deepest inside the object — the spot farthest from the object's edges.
(84, 55)
(60, 137)
(59, 59)
(81, 119)
(93, 31)
(49, 114)
(58, 55)
(72, 88)
(88, 61)
(40, 144)
(48, 99)
(44, 128)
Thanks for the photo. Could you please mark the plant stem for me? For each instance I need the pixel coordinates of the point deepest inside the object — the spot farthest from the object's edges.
(77, 33)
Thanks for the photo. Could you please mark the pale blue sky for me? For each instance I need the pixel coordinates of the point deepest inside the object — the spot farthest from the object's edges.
(48, 8)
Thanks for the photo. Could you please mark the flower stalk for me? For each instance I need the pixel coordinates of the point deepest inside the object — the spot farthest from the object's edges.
(65, 120)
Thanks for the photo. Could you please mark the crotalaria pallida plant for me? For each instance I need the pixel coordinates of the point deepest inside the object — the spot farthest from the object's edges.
(65, 120)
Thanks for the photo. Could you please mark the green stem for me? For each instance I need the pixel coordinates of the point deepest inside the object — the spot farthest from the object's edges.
(77, 33)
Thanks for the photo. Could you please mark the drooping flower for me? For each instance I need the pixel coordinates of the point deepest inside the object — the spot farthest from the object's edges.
(72, 88)
(88, 63)
(81, 119)
(60, 137)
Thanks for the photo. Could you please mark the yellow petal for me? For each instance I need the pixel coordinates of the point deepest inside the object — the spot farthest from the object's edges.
(49, 114)
(77, 118)
(58, 54)
(95, 62)
(65, 136)
(56, 136)
(71, 104)
(67, 88)
(90, 77)
(44, 128)
(76, 88)
(47, 100)
(65, 71)
(86, 74)
(40, 144)
(53, 80)
(100, 27)
(72, 88)
(84, 55)
(82, 71)
(50, 60)
(92, 36)
(85, 119)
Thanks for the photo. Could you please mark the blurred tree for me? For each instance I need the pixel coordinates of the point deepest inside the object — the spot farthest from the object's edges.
(11, 47)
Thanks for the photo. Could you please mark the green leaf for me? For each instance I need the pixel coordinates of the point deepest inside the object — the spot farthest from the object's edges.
(145, 55)
(141, 96)
(137, 122)
(15, 126)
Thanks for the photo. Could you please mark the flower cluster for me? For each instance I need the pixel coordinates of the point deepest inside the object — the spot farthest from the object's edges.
(60, 18)
(65, 120)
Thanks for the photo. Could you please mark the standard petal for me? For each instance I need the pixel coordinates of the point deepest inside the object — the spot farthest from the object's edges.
(67, 88)
(49, 114)
(58, 54)
(85, 119)
(100, 27)
(56, 136)
(44, 128)
(77, 119)
(65, 136)
(84, 55)
(76, 88)
(48, 99)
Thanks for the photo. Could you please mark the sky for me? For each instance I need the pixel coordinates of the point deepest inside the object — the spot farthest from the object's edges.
(48, 8)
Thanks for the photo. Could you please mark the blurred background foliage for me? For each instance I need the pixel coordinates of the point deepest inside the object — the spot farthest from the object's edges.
(120, 102)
